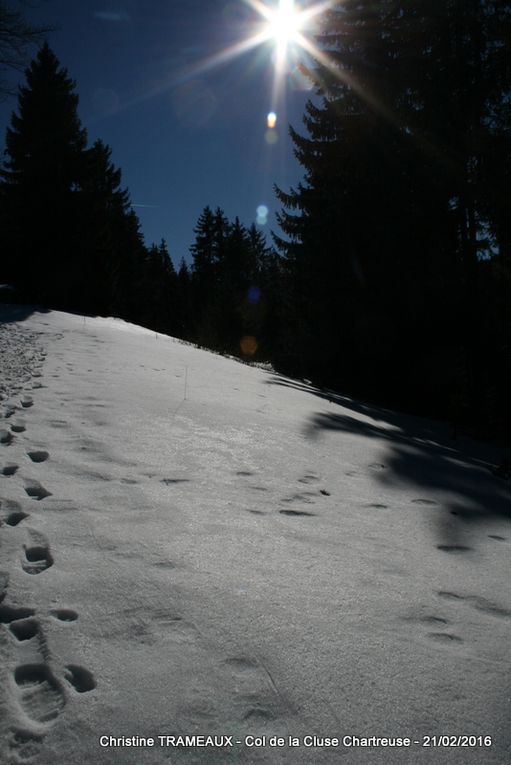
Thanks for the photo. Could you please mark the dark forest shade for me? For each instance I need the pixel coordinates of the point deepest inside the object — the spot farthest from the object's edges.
(44, 147)
(234, 287)
(399, 236)
(69, 234)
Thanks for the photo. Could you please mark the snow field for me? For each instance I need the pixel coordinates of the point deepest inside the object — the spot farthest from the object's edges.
(193, 546)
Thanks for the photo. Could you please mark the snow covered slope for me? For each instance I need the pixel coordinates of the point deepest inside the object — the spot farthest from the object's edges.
(190, 546)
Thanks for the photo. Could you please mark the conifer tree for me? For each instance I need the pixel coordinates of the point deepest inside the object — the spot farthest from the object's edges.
(105, 208)
(40, 183)
(266, 298)
(183, 303)
(158, 288)
(396, 207)
(208, 253)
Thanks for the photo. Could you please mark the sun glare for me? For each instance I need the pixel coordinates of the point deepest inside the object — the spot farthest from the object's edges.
(284, 24)
(287, 25)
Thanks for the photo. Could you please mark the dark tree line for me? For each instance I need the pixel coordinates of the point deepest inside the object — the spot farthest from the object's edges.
(69, 236)
(234, 287)
(397, 242)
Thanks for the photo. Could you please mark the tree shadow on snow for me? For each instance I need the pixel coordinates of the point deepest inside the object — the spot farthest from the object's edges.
(13, 312)
(453, 472)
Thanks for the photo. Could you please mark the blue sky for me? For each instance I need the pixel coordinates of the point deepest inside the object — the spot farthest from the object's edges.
(183, 135)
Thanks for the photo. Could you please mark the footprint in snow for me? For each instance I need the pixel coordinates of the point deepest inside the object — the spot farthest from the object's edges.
(261, 700)
(164, 564)
(10, 614)
(15, 517)
(38, 456)
(18, 426)
(453, 548)
(429, 619)
(308, 478)
(497, 537)
(39, 693)
(64, 614)
(480, 604)
(423, 502)
(37, 554)
(35, 490)
(444, 637)
(5, 437)
(304, 496)
(80, 678)
(11, 512)
(24, 744)
(27, 402)
(295, 512)
(58, 423)
(9, 469)
(377, 466)
(25, 629)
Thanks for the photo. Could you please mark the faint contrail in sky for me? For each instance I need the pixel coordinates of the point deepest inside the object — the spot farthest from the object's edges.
(111, 16)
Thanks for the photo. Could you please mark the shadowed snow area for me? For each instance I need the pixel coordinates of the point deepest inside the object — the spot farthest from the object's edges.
(215, 549)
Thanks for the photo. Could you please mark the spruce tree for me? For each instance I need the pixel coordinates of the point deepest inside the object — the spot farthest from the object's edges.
(104, 208)
(40, 183)
(182, 322)
(208, 252)
(383, 239)
(158, 288)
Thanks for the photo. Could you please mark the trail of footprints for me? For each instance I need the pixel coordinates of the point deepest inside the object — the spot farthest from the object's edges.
(38, 692)
(435, 622)
(302, 496)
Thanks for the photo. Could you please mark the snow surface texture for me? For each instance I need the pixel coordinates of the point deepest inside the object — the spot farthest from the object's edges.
(193, 546)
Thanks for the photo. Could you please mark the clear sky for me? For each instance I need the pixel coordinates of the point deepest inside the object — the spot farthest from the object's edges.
(185, 134)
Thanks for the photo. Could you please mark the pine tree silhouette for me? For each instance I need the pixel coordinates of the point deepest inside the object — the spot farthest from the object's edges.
(402, 199)
(40, 183)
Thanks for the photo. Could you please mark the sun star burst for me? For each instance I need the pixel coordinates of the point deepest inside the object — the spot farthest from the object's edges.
(286, 26)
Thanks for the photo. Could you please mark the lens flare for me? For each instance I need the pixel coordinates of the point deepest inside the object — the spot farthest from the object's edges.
(271, 120)
(248, 345)
(271, 137)
(286, 27)
(262, 215)
(254, 295)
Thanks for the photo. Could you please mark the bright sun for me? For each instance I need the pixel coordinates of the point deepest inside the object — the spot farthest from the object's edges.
(284, 24)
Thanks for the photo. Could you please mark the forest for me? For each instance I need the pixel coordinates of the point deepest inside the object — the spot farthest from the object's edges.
(389, 278)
